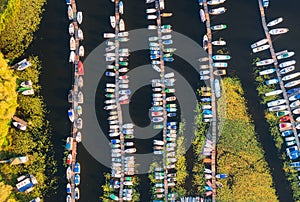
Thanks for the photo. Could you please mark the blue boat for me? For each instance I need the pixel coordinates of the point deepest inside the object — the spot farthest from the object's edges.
(172, 127)
(173, 123)
(170, 59)
(294, 97)
(171, 109)
(167, 42)
(292, 91)
(206, 111)
(295, 164)
(265, 3)
(287, 133)
(207, 99)
(221, 176)
(200, 2)
(77, 179)
(154, 52)
(171, 114)
(77, 168)
(153, 56)
(156, 108)
(272, 81)
(68, 188)
(208, 188)
(68, 2)
(293, 152)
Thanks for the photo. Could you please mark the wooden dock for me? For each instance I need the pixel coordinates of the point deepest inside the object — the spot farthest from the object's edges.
(213, 103)
(273, 54)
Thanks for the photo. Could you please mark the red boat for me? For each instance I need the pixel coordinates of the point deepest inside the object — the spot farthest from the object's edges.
(285, 118)
(80, 68)
(69, 159)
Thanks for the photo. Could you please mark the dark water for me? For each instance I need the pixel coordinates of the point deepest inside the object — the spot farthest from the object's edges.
(244, 27)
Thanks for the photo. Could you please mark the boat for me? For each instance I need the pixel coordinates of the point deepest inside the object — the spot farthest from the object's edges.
(172, 98)
(28, 92)
(217, 88)
(292, 91)
(108, 35)
(215, 2)
(166, 15)
(70, 12)
(259, 43)
(79, 17)
(78, 137)
(217, 11)
(278, 31)
(277, 108)
(292, 83)
(19, 125)
(220, 72)
(77, 196)
(272, 81)
(112, 21)
(69, 159)
(167, 42)
(121, 7)
(157, 119)
(71, 114)
(80, 34)
(150, 10)
(285, 55)
(72, 56)
(26, 83)
(260, 48)
(287, 63)
(79, 123)
(275, 22)
(71, 29)
(265, 62)
(69, 143)
(80, 68)
(275, 92)
(295, 104)
(68, 2)
(219, 43)
(282, 113)
(151, 17)
(68, 188)
(290, 76)
(287, 70)
(161, 4)
(77, 168)
(267, 71)
(218, 27)
(72, 44)
(265, 3)
(205, 42)
(276, 102)
(220, 64)
(152, 27)
(202, 15)
(114, 197)
(204, 77)
(81, 51)
(121, 25)
(21, 89)
(294, 97)
(285, 126)
(68, 198)
(296, 111)
(221, 57)
(69, 173)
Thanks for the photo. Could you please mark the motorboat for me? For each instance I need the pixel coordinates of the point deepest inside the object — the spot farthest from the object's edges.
(172, 98)
(218, 43)
(205, 42)
(121, 7)
(77, 168)
(277, 108)
(292, 83)
(69, 159)
(81, 51)
(217, 11)
(290, 76)
(285, 55)
(28, 92)
(265, 62)
(150, 10)
(71, 114)
(275, 22)
(112, 21)
(217, 88)
(70, 12)
(26, 83)
(267, 71)
(293, 91)
(294, 97)
(123, 34)
(152, 27)
(121, 25)
(153, 38)
(156, 68)
(205, 77)
(265, 3)
(80, 34)
(218, 27)
(221, 57)
(276, 102)
(108, 35)
(68, 198)
(79, 17)
(151, 17)
(68, 188)
(19, 125)
(285, 118)
(71, 29)
(166, 15)
(275, 92)
(287, 70)
(80, 68)
(282, 113)
(259, 43)
(78, 137)
(157, 119)
(295, 104)
(296, 111)
(72, 44)
(69, 173)
(76, 192)
(260, 48)
(72, 56)
(287, 63)
(220, 64)
(272, 81)
(167, 42)
(215, 2)
(278, 31)
(202, 15)
(220, 72)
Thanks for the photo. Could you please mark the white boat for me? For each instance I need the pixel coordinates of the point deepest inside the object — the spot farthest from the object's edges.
(265, 62)
(150, 10)
(23, 64)
(215, 2)
(72, 56)
(292, 83)
(278, 31)
(121, 7)
(221, 57)
(28, 92)
(218, 27)
(151, 17)
(112, 21)
(277, 108)
(294, 97)
(275, 22)
(287, 63)
(204, 72)
(69, 173)
(259, 43)
(267, 71)
(285, 55)
(81, 51)
(220, 64)
(166, 37)
(204, 77)
(217, 88)
(72, 44)
(205, 42)
(156, 68)
(217, 11)
(152, 27)
(276, 102)
(295, 104)
(219, 43)
(77, 196)
(26, 83)
(80, 34)
(296, 111)
(79, 109)
(265, 3)
(260, 48)
(290, 76)
(19, 125)
(272, 81)
(287, 70)
(71, 29)
(79, 17)
(71, 115)
(202, 15)
(70, 12)
(161, 4)
(121, 25)
(275, 92)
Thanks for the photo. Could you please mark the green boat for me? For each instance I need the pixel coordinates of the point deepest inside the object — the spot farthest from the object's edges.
(123, 63)
(171, 105)
(169, 50)
(282, 113)
(219, 27)
(168, 90)
(168, 55)
(114, 197)
(158, 126)
(165, 27)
